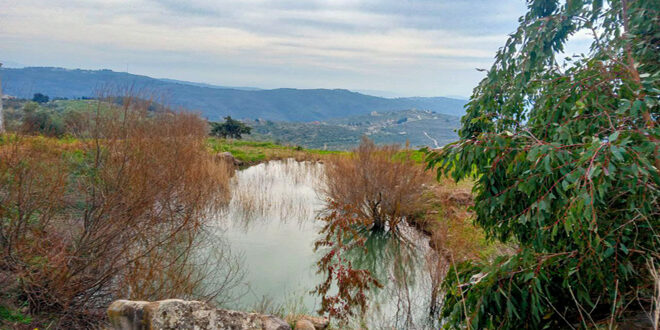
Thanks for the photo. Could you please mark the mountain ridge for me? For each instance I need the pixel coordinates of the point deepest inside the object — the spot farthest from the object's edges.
(215, 102)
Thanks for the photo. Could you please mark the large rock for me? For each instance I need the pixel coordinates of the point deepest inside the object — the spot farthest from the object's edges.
(181, 314)
(304, 325)
(317, 322)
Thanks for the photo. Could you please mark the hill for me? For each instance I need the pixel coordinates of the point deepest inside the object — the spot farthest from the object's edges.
(419, 127)
(214, 102)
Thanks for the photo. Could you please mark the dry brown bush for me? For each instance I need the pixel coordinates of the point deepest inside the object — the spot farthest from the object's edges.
(377, 187)
(374, 188)
(381, 183)
(116, 217)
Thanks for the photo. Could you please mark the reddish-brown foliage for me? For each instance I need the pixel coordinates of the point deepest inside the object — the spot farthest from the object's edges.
(116, 217)
(382, 184)
(373, 189)
(340, 234)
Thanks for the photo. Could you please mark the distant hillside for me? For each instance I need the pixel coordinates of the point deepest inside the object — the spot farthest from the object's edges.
(208, 85)
(298, 105)
(420, 128)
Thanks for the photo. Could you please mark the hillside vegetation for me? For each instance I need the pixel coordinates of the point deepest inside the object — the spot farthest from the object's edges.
(416, 127)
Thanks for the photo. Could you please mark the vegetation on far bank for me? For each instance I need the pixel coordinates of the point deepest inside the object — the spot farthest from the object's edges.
(253, 152)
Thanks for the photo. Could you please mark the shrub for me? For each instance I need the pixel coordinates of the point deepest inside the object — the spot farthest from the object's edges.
(116, 218)
(373, 189)
(382, 186)
(37, 120)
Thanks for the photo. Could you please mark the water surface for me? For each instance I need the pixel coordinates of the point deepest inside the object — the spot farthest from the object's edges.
(272, 223)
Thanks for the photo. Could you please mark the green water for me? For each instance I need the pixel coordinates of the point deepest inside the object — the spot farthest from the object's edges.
(270, 224)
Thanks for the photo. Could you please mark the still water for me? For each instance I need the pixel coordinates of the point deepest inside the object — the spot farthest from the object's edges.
(271, 225)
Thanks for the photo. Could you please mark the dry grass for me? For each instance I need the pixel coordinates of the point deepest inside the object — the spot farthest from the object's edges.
(654, 314)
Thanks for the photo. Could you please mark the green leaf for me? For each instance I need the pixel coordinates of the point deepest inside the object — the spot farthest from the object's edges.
(613, 137)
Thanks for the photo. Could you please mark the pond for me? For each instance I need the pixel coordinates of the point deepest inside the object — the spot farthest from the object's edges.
(271, 224)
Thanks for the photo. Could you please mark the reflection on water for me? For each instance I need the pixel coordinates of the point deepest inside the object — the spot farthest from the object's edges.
(400, 265)
(275, 191)
(271, 222)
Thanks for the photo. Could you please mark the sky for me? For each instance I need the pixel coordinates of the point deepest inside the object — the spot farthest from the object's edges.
(383, 47)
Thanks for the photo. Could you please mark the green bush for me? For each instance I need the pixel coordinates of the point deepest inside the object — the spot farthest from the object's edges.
(566, 161)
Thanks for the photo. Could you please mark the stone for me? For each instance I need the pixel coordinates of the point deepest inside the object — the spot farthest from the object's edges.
(182, 314)
(269, 322)
(318, 322)
(126, 315)
(304, 325)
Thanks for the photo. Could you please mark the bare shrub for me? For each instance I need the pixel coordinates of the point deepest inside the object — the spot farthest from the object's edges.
(374, 188)
(115, 215)
(341, 234)
(383, 185)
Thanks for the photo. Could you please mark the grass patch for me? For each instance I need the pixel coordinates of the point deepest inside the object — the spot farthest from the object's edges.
(12, 316)
(252, 152)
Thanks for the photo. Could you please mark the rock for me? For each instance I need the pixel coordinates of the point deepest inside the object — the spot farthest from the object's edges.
(228, 158)
(304, 325)
(317, 321)
(181, 314)
(269, 322)
(461, 198)
(125, 315)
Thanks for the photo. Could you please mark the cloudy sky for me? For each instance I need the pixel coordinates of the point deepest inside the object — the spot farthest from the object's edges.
(403, 47)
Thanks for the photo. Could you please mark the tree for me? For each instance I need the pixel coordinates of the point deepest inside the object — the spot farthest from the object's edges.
(565, 158)
(230, 128)
(40, 98)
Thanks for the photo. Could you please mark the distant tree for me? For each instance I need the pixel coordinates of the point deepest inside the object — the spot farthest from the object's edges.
(230, 128)
(40, 98)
